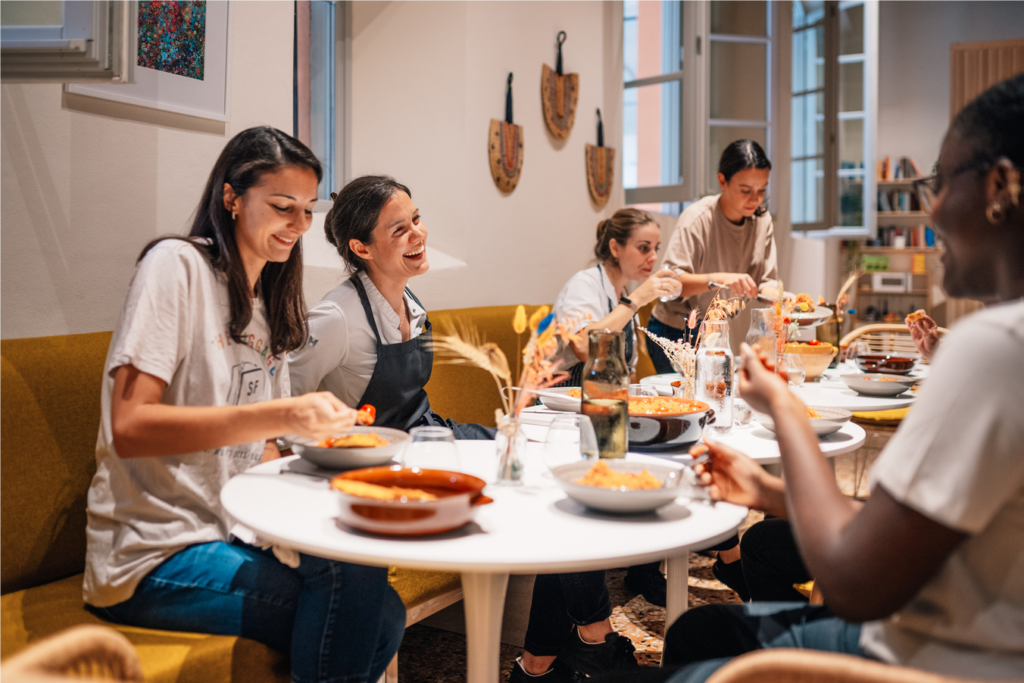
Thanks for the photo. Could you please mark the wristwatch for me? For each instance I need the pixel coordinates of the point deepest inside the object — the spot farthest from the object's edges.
(628, 302)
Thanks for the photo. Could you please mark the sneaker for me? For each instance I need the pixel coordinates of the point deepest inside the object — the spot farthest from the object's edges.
(616, 652)
(647, 580)
(558, 673)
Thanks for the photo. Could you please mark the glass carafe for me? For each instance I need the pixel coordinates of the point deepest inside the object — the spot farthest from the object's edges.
(715, 374)
(761, 335)
(606, 392)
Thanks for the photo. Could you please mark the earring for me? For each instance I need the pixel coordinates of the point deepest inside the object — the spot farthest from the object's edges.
(1014, 188)
(234, 215)
(995, 214)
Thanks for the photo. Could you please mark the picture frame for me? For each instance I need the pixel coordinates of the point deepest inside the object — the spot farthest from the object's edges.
(207, 98)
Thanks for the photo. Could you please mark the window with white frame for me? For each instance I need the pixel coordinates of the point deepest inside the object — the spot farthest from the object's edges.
(56, 41)
(832, 113)
(696, 77)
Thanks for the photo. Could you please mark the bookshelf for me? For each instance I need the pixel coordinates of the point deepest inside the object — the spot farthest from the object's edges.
(901, 221)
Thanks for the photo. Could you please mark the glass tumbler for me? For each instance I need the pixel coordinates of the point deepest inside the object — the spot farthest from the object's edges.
(432, 448)
(570, 438)
(795, 369)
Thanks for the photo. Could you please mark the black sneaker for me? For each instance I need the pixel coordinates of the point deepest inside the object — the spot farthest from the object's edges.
(731, 574)
(558, 673)
(648, 580)
(616, 652)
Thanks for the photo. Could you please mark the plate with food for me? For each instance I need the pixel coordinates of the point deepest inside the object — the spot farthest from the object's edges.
(824, 420)
(402, 501)
(620, 486)
(359, 447)
(566, 399)
(878, 384)
(665, 423)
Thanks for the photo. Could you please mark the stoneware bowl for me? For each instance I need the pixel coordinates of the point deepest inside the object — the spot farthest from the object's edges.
(615, 500)
(652, 433)
(830, 422)
(815, 358)
(458, 496)
(350, 458)
(878, 384)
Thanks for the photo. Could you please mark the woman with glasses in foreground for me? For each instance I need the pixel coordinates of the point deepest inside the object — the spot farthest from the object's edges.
(929, 572)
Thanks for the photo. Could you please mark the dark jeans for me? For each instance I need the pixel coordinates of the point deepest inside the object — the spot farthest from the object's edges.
(468, 431)
(561, 600)
(772, 562)
(705, 638)
(658, 357)
(340, 622)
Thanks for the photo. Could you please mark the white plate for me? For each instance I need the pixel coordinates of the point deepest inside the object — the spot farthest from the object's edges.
(610, 500)
(830, 422)
(352, 458)
(816, 317)
(871, 385)
(565, 403)
(663, 383)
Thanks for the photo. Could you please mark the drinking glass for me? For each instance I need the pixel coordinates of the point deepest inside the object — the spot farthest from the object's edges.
(795, 369)
(677, 286)
(642, 390)
(570, 439)
(432, 448)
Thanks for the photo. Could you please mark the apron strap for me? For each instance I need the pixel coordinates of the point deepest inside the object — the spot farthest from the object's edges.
(365, 300)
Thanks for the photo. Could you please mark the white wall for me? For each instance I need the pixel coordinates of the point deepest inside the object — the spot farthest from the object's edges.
(913, 87)
(427, 78)
(87, 183)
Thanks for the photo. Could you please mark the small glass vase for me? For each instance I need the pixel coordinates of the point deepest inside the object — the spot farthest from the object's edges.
(510, 443)
(761, 335)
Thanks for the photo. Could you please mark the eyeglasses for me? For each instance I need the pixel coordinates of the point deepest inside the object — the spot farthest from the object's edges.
(928, 189)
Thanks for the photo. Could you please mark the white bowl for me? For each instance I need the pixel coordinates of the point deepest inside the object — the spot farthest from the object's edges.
(351, 458)
(563, 403)
(874, 385)
(830, 422)
(612, 500)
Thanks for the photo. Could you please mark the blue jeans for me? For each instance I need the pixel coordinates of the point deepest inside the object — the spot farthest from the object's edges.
(340, 622)
(658, 356)
(706, 638)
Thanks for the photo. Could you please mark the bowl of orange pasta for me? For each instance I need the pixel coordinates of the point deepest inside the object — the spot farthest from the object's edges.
(618, 486)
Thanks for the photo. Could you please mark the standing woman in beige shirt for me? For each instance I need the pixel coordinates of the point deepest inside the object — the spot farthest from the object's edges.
(725, 238)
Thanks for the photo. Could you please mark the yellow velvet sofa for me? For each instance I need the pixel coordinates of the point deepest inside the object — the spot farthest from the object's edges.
(48, 423)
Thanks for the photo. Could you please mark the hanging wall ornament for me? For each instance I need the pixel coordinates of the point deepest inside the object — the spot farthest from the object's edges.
(558, 94)
(600, 167)
(505, 147)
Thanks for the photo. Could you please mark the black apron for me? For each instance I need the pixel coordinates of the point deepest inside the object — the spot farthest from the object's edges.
(399, 375)
(576, 371)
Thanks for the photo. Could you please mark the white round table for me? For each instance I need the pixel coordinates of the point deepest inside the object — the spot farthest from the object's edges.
(528, 529)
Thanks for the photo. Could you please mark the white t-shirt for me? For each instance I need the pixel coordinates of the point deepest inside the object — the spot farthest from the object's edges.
(958, 459)
(342, 350)
(174, 326)
(588, 291)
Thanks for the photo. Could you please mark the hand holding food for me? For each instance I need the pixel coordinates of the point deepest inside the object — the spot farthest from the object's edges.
(924, 332)
(319, 415)
(759, 385)
(366, 415)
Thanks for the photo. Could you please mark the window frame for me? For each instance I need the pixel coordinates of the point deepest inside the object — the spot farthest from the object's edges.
(96, 42)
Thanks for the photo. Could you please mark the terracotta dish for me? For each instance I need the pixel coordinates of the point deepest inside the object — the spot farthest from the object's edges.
(887, 363)
(458, 496)
(815, 358)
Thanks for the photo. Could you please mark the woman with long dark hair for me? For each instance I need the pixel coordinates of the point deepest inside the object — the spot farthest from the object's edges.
(727, 238)
(369, 338)
(195, 391)
(929, 571)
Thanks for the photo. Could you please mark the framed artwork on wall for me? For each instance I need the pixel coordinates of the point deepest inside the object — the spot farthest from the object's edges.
(182, 61)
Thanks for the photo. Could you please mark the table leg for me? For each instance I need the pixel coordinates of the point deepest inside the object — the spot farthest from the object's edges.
(483, 598)
(678, 587)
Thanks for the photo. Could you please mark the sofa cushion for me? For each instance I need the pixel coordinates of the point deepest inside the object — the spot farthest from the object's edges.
(48, 426)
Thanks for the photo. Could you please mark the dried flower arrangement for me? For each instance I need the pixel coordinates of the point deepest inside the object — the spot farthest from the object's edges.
(683, 355)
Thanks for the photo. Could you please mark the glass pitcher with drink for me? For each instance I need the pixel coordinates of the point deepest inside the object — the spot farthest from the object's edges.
(606, 391)
(715, 374)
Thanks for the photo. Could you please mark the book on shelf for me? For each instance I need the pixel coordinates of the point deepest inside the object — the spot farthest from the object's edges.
(903, 168)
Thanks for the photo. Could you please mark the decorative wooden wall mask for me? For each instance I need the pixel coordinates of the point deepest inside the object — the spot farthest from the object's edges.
(505, 147)
(600, 167)
(559, 94)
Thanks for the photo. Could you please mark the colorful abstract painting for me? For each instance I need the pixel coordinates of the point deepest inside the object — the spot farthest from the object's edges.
(172, 37)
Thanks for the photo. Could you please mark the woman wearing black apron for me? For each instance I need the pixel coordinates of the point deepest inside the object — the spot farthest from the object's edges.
(569, 629)
(369, 340)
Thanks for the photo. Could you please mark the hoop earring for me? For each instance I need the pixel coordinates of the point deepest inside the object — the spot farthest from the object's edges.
(995, 213)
